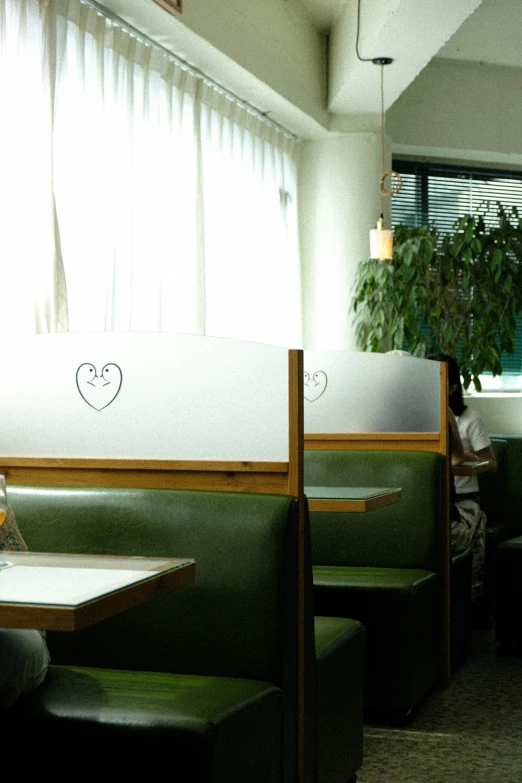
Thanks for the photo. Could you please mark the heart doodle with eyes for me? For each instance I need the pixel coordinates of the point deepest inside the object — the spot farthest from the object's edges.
(314, 385)
(99, 390)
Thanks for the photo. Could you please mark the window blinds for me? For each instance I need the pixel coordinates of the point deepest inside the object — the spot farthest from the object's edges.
(440, 194)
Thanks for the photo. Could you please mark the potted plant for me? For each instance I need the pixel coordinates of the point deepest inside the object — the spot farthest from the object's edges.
(458, 292)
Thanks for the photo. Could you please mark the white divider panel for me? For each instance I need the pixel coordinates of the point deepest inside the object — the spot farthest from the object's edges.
(110, 395)
(352, 391)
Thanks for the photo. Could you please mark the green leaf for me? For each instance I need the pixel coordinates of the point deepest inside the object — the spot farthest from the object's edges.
(496, 258)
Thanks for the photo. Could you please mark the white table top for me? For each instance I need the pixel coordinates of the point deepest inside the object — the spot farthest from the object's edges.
(66, 592)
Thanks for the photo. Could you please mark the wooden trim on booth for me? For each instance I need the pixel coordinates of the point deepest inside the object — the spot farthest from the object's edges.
(296, 488)
(404, 441)
(295, 424)
(263, 477)
(446, 574)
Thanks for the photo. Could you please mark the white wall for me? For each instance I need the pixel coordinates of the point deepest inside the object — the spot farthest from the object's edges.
(338, 205)
(502, 413)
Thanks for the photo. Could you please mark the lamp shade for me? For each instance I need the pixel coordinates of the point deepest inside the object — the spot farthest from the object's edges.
(381, 242)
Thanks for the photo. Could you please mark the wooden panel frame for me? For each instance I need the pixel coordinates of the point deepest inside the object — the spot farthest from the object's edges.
(437, 442)
(281, 478)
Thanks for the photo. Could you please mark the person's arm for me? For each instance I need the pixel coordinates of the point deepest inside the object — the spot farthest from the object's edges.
(481, 444)
(458, 454)
(489, 455)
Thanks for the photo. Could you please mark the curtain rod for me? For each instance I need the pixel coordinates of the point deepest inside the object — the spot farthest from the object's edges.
(190, 68)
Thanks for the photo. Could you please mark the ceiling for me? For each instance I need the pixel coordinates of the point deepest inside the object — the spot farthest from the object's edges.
(412, 33)
(491, 34)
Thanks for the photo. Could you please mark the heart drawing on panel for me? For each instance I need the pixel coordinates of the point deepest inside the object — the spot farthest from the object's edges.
(314, 385)
(98, 389)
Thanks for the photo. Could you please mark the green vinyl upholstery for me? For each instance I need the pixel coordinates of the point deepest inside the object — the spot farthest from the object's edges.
(203, 679)
(501, 492)
(494, 499)
(339, 646)
(503, 505)
(384, 568)
(508, 595)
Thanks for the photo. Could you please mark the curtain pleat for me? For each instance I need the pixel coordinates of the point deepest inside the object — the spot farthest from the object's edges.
(34, 295)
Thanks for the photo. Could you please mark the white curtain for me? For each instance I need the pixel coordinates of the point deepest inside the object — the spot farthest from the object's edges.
(31, 275)
(124, 172)
(175, 207)
(249, 196)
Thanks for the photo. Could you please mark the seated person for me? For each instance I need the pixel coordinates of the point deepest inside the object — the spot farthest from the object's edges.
(24, 656)
(470, 442)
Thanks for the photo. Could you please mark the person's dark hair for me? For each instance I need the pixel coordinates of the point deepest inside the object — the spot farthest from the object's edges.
(456, 400)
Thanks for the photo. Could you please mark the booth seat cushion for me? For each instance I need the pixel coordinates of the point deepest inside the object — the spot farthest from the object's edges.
(339, 646)
(123, 721)
(169, 671)
(186, 651)
(384, 568)
(461, 614)
(493, 487)
(508, 594)
(400, 609)
(506, 495)
(401, 580)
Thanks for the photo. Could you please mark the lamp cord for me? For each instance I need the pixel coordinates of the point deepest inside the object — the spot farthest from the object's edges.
(382, 61)
(362, 59)
(382, 133)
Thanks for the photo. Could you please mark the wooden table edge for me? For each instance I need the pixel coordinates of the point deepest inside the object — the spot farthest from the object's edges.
(47, 617)
(355, 505)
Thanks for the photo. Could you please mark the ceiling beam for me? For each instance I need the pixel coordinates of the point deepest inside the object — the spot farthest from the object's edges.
(409, 31)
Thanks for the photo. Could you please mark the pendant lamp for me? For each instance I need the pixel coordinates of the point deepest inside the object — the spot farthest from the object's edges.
(381, 238)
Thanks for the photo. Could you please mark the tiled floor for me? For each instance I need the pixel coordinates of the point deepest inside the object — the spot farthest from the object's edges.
(470, 732)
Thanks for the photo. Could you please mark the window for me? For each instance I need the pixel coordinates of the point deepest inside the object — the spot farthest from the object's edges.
(150, 199)
(439, 194)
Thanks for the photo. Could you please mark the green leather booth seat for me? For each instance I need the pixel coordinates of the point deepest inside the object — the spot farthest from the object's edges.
(203, 679)
(508, 595)
(339, 646)
(494, 499)
(399, 607)
(461, 608)
(501, 492)
(384, 568)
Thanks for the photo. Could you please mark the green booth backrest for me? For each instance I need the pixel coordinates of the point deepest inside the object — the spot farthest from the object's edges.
(509, 496)
(493, 486)
(237, 619)
(408, 534)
